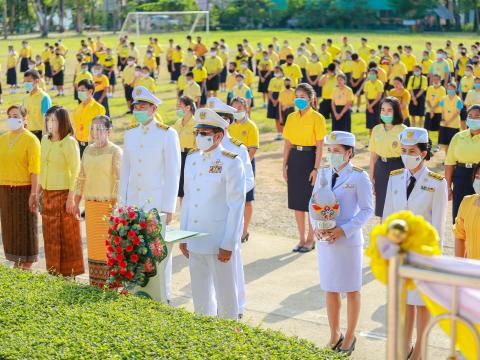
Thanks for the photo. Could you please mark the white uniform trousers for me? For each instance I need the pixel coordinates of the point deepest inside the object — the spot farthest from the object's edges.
(214, 289)
(240, 280)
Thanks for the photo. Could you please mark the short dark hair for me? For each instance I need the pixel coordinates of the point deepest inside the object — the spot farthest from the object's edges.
(397, 112)
(290, 56)
(398, 78)
(426, 147)
(21, 109)
(87, 83)
(240, 100)
(64, 124)
(354, 56)
(348, 147)
(32, 73)
(189, 74)
(188, 101)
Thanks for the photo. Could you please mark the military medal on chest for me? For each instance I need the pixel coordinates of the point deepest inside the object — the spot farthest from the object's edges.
(215, 167)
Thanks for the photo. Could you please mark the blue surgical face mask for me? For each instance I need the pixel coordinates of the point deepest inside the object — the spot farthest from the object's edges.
(451, 92)
(28, 86)
(387, 119)
(301, 103)
(335, 160)
(141, 116)
(476, 86)
(473, 124)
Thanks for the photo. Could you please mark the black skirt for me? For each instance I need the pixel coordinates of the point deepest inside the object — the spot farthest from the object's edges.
(48, 69)
(285, 114)
(97, 95)
(316, 87)
(381, 174)
(12, 76)
(432, 123)
(373, 118)
(344, 123)
(419, 109)
(326, 108)
(358, 87)
(251, 194)
(263, 86)
(58, 79)
(272, 111)
(203, 98)
(111, 77)
(446, 134)
(214, 83)
(462, 186)
(223, 75)
(176, 72)
(300, 165)
(24, 64)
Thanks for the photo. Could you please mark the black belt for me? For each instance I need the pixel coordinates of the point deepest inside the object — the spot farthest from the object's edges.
(389, 159)
(467, 165)
(186, 149)
(304, 148)
(83, 143)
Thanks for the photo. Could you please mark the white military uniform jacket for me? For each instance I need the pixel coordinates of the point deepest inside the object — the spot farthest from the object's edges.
(214, 200)
(236, 147)
(428, 198)
(150, 170)
(353, 191)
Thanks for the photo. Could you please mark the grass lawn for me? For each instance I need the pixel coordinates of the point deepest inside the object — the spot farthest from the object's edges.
(166, 91)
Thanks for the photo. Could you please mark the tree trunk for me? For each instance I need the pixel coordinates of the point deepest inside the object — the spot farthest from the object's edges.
(42, 17)
(80, 16)
(476, 26)
(5, 19)
(61, 15)
(12, 17)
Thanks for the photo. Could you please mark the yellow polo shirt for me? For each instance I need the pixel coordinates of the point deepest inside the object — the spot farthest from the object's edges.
(333, 50)
(192, 90)
(426, 65)
(464, 148)
(342, 97)
(199, 75)
(473, 97)
(246, 132)
(101, 83)
(185, 133)
(129, 74)
(148, 82)
(359, 68)
(151, 63)
(305, 130)
(276, 84)
(20, 156)
(417, 82)
(386, 143)
(286, 98)
(46, 54)
(466, 83)
(83, 116)
(301, 61)
(59, 163)
(314, 68)
(57, 63)
(409, 60)
(434, 96)
(398, 69)
(213, 65)
(12, 61)
(181, 82)
(177, 56)
(36, 104)
(325, 58)
(328, 86)
(249, 76)
(284, 51)
(293, 72)
(373, 88)
(364, 52)
(449, 106)
(265, 65)
(189, 60)
(404, 97)
(83, 76)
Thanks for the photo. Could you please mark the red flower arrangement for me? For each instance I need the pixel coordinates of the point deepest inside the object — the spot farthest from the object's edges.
(134, 247)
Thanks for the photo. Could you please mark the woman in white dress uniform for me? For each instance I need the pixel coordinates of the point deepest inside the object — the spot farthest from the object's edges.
(423, 192)
(340, 259)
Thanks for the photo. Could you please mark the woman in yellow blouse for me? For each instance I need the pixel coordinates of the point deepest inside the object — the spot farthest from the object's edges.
(417, 85)
(466, 229)
(304, 132)
(59, 167)
(184, 127)
(265, 69)
(463, 155)
(385, 149)
(12, 69)
(342, 101)
(19, 169)
(98, 184)
(275, 86)
(25, 54)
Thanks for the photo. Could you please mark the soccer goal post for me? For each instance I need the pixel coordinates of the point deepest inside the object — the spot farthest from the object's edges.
(154, 22)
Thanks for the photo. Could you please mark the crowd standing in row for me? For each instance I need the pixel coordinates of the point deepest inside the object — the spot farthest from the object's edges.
(52, 161)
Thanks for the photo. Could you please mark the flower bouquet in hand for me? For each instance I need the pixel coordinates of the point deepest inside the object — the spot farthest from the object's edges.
(134, 247)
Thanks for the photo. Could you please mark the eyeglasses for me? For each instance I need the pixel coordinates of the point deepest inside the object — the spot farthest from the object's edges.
(202, 133)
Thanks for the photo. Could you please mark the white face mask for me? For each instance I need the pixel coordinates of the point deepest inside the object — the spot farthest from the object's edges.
(14, 123)
(239, 115)
(204, 142)
(146, 75)
(476, 186)
(97, 72)
(335, 160)
(130, 62)
(138, 73)
(411, 161)
(213, 53)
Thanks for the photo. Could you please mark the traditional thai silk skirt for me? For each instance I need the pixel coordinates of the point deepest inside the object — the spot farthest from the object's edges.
(61, 235)
(96, 220)
(19, 224)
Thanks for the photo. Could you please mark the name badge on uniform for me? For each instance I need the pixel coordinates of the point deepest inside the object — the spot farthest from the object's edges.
(348, 186)
(429, 189)
(216, 167)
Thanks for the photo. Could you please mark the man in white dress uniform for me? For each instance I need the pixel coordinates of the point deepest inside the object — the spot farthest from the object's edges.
(236, 147)
(213, 204)
(150, 170)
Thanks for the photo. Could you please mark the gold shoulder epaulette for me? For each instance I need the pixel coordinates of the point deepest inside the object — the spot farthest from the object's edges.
(192, 151)
(396, 172)
(133, 126)
(436, 176)
(229, 154)
(324, 166)
(163, 126)
(357, 169)
(236, 142)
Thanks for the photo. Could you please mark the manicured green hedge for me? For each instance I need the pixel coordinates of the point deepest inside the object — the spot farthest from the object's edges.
(46, 317)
